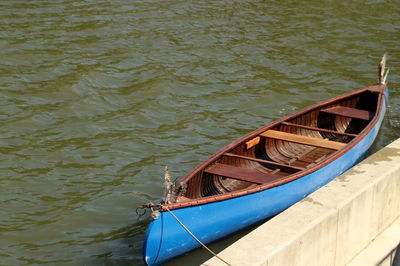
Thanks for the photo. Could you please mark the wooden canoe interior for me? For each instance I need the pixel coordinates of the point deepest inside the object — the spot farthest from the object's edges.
(292, 146)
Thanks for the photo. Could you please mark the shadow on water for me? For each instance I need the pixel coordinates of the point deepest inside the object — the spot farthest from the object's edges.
(128, 240)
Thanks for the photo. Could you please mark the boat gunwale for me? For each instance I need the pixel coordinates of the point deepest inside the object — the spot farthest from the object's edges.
(378, 88)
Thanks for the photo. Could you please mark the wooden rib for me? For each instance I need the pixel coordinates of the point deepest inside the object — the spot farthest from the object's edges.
(311, 141)
(263, 161)
(350, 112)
(242, 174)
(276, 171)
(319, 129)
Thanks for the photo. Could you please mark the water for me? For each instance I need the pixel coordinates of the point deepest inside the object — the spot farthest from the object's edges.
(98, 96)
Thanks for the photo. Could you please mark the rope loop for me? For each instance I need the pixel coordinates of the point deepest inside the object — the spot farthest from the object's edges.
(155, 210)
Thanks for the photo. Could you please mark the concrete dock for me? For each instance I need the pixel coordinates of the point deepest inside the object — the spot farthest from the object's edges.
(353, 220)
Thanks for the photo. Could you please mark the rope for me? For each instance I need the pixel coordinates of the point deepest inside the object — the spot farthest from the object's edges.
(190, 233)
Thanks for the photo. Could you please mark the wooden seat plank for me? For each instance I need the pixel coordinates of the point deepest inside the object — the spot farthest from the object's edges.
(311, 141)
(350, 112)
(239, 173)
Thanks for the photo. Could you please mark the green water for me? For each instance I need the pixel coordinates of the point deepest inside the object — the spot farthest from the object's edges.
(98, 96)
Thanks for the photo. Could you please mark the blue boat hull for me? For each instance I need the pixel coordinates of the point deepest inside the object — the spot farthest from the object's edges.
(166, 238)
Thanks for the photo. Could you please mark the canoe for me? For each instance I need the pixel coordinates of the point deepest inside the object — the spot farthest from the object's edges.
(265, 172)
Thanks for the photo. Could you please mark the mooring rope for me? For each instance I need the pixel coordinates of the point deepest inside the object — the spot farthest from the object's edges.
(159, 207)
(190, 233)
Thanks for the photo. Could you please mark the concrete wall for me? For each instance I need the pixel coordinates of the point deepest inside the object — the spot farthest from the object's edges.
(334, 224)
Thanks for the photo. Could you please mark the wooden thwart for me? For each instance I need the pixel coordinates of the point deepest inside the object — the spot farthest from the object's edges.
(253, 142)
(350, 112)
(316, 142)
(242, 174)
